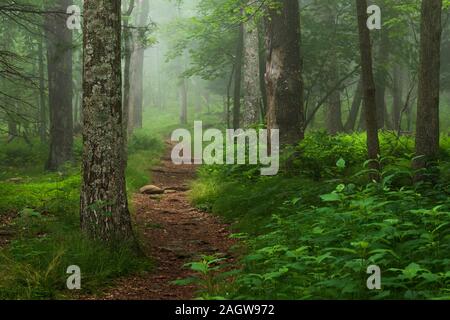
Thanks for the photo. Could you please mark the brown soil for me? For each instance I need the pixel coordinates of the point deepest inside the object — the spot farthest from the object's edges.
(173, 233)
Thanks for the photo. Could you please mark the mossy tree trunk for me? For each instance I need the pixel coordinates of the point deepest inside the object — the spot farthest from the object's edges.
(104, 207)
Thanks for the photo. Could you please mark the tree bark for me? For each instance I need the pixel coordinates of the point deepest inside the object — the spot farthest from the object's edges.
(42, 105)
(397, 93)
(262, 68)
(283, 72)
(127, 107)
(59, 63)
(354, 110)
(238, 78)
(334, 114)
(370, 106)
(104, 206)
(427, 131)
(381, 79)
(137, 64)
(252, 91)
(183, 101)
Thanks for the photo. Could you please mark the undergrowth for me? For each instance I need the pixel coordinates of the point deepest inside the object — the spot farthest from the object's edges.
(312, 231)
(45, 230)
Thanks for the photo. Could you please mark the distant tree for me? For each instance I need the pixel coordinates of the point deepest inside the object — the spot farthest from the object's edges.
(238, 77)
(137, 62)
(397, 93)
(183, 96)
(127, 106)
(334, 111)
(283, 72)
(59, 62)
(381, 77)
(427, 131)
(252, 89)
(354, 110)
(370, 107)
(104, 207)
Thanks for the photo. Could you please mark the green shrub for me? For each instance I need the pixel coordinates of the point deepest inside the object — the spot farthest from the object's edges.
(18, 153)
(313, 235)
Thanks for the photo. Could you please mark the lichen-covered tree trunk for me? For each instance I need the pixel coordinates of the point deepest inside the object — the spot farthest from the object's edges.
(137, 64)
(283, 72)
(59, 62)
(252, 90)
(370, 106)
(427, 131)
(104, 207)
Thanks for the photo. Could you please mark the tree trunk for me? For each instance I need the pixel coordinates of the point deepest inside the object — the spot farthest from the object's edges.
(370, 106)
(183, 101)
(42, 106)
(104, 207)
(137, 63)
(127, 107)
(252, 91)
(262, 68)
(59, 62)
(334, 114)
(381, 79)
(356, 106)
(238, 78)
(283, 72)
(427, 131)
(397, 93)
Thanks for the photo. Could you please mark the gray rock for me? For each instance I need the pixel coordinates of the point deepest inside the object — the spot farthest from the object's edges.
(151, 189)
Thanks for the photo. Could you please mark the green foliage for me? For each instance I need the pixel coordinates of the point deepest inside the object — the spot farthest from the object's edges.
(46, 232)
(209, 276)
(309, 237)
(48, 240)
(18, 153)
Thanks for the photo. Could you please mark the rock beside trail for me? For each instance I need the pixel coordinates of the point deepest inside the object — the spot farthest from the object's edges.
(151, 189)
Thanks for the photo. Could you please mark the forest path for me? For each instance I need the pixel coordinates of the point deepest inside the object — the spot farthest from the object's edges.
(172, 233)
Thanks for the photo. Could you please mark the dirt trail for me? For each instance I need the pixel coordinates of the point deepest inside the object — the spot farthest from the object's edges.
(173, 233)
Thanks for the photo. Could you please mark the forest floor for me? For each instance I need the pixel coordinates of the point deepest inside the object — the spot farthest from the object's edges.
(172, 233)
